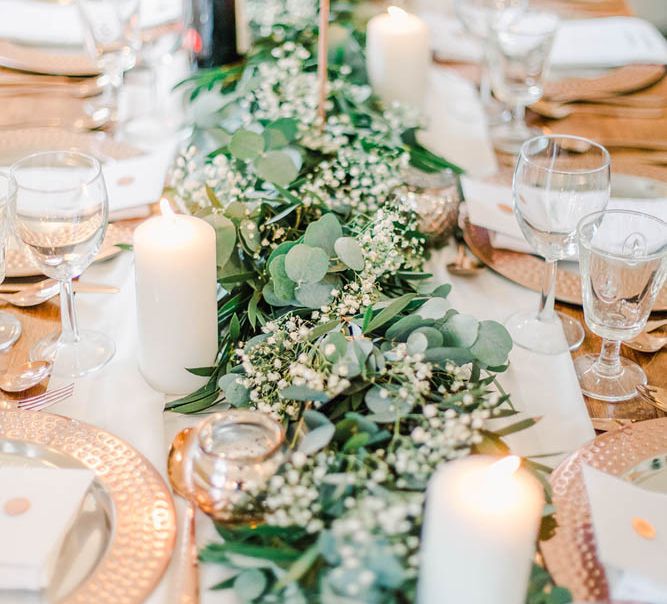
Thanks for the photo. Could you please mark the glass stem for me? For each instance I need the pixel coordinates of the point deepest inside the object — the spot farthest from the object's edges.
(608, 363)
(546, 311)
(518, 116)
(70, 326)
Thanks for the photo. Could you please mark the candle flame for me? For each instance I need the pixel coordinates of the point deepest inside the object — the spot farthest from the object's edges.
(165, 208)
(396, 12)
(507, 466)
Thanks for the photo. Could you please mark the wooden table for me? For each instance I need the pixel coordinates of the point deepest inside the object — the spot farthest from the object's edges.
(41, 320)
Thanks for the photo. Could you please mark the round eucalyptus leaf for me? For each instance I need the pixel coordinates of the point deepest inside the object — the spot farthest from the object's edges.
(306, 264)
(435, 308)
(317, 439)
(249, 584)
(225, 237)
(417, 343)
(378, 400)
(323, 233)
(350, 252)
(272, 298)
(313, 295)
(283, 286)
(334, 346)
(405, 326)
(281, 250)
(250, 233)
(236, 393)
(276, 167)
(460, 330)
(246, 145)
(493, 344)
(433, 337)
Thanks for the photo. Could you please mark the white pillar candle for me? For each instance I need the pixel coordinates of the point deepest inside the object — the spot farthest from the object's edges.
(175, 267)
(480, 526)
(398, 56)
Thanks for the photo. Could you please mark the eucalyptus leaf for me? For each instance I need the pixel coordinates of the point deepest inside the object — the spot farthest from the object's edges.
(443, 354)
(334, 346)
(350, 252)
(405, 326)
(276, 167)
(225, 237)
(417, 343)
(246, 145)
(323, 233)
(236, 393)
(283, 286)
(460, 331)
(272, 298)
(250, 234)
(493, 344)
(303, 393)
(250, 584)
(306, 264)
(434, 308)
(316, 295)
(433, 337)
(317, 439)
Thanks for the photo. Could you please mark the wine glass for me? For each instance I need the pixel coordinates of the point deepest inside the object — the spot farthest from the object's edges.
(60, 208)
(623, 259)
(557, 181)
(10, 326)
(519, 49)
(112, 38)
(478, 18)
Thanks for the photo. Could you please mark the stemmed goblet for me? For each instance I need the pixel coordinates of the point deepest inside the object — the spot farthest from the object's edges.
(557, 181)
(59, 207)
(623, 259)
(519, 50)
(478, 18)
(10, 327)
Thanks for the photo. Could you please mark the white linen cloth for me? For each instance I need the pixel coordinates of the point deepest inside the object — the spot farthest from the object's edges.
(30, 541)
(580, 44)
(635, 565)
(38, 22)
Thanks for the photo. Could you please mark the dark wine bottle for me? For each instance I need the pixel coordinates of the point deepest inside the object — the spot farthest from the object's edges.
(214, 35)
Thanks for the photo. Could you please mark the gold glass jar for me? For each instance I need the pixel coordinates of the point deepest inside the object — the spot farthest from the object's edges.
(234, 454)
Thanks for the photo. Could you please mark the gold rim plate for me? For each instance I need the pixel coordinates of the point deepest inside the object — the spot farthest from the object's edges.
(571, 554)
(128, 495)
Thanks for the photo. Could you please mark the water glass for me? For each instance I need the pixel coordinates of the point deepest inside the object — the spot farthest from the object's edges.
(557, 181)
(60, 209)
(112, 38)
(519, 49)
(478, 18)
(236, 452)
(10, 326)
(623, 259)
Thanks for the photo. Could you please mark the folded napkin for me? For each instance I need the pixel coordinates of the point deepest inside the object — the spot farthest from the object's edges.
(584, 43)
(39, 22)
(635, 560)
(490, 206)
(37, 508)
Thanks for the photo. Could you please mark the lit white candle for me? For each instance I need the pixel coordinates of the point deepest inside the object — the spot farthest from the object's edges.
(175, 266)
(398, 56)
(480, 526)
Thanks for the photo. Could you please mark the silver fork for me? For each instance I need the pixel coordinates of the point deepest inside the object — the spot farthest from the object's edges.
(46, 399)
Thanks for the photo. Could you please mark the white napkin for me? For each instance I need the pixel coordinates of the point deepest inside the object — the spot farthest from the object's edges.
(30, 541)
(635, 565)
(607, 42)
(490, 206)
(39, 22)
(456, 126)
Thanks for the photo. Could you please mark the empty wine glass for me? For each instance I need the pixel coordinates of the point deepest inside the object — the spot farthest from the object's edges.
(478, 18)
(519, 49)
(112, 38)
(10, 327)
(557, 181)
(59, 205)
(623, 259)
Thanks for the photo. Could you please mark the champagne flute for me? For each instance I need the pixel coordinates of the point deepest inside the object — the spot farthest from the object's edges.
(623, 258)
(519, 52)
(478, 17)
(10, 327)
(557, 181)
(60, 209)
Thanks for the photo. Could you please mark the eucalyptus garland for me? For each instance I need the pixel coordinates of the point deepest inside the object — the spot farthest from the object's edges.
(328, 321)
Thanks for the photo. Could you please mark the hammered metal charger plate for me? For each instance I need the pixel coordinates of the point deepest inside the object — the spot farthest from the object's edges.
(19, 263)
(637, 453)
(123, 538)
(528, 270)
(45, 61)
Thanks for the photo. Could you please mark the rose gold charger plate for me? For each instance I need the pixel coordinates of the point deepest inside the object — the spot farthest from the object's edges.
(633, 453)
(528, 270)
(19, 264)
(123, 537)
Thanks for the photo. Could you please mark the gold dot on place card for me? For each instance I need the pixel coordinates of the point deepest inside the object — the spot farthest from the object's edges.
(16, 506)
(503, 207)
(125, 181)
(643, 528)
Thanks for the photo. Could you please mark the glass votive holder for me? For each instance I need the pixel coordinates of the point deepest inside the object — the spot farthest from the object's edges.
(234, 455)
(435, 198)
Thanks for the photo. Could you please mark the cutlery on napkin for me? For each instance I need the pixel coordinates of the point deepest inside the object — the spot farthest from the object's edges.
(37, 508)
(630, 527)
